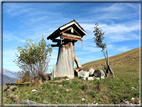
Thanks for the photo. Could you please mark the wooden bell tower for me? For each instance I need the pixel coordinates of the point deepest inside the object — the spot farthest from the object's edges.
(68, 34)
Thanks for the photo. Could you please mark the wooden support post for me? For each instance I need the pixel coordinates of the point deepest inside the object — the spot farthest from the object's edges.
(77, 62)
(109, 68)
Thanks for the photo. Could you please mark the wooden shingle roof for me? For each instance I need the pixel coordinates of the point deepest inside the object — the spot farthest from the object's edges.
(73, 24)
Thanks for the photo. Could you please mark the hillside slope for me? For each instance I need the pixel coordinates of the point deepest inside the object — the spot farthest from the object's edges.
(122, 64)
(118, 90)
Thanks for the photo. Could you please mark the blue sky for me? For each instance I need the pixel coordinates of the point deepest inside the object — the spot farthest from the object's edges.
(22, 21)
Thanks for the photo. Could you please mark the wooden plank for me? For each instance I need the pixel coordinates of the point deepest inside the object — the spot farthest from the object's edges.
(56, 40)
(71, 35)
(54, 45)
(72, 31)
(71, 38)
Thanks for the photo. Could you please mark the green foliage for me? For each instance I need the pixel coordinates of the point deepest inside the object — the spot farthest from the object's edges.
(34, 57)
(26, 77)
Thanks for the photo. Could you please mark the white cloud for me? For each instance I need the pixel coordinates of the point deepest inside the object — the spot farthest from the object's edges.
(12, 8)
(114, 32)
(123, 48)
(10, 36)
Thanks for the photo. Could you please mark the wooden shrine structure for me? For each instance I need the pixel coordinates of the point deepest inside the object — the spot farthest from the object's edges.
(65, 38)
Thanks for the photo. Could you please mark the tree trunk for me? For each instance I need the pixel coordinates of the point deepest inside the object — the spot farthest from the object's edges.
(65, 62)
(109, 68)
(77, 62)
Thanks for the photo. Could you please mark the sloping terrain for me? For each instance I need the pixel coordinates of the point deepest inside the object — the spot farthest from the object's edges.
(125, 64)
(122, 89)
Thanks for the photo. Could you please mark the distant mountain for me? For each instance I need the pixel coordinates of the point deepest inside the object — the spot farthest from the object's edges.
(10, 73)
(6, 79)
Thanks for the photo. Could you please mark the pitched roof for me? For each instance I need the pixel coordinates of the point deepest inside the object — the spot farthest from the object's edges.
(72, 23)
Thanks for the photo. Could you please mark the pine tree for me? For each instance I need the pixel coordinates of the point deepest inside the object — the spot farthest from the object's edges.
(9, 82)
(20, 81)
(17, 81)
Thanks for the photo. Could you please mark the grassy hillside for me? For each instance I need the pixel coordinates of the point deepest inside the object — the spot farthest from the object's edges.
(124, 86)
(124, 65)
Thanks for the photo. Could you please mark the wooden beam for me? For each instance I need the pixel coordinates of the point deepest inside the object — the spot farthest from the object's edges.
(71, 35)
(55, 45)
(56, 40)
(71, 38)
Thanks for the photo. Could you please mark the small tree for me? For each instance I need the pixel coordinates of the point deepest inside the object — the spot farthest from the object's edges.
(9, 82)
(20, 81)
(17, 81)
(34, 57)
(26, 77)
(99, 37)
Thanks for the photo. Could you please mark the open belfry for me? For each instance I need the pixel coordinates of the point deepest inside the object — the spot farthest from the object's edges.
(65, 38)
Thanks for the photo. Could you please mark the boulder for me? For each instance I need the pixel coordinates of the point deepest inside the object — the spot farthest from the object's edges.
(83, 74)
(12, 88)
(91, 71)
(99, 73)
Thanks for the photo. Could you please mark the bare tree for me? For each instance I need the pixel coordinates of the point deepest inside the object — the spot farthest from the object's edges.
(99, 37)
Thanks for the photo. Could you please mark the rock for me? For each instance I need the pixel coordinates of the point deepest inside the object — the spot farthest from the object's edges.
(34, 90)
(97, 78)
(90, 78)
(132, 98)
(12, 88)
(125, 102)
(99, 73)
(29, 102)
(83, 99)
(91, 71)
(83, 74)
(93, 102)
(67, 90)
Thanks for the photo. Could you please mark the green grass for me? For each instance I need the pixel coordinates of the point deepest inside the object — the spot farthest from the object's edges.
(104, 91)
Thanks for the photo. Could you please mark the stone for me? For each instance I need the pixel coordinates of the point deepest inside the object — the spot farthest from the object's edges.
(91, 71)
(12, 88)
(29, 102)
(90, 78)
(34, 90)
(83, 74)
(97, 78)
(99, 73)
(93, 102)
(132, 98)
(83, 99)
(67, 90)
